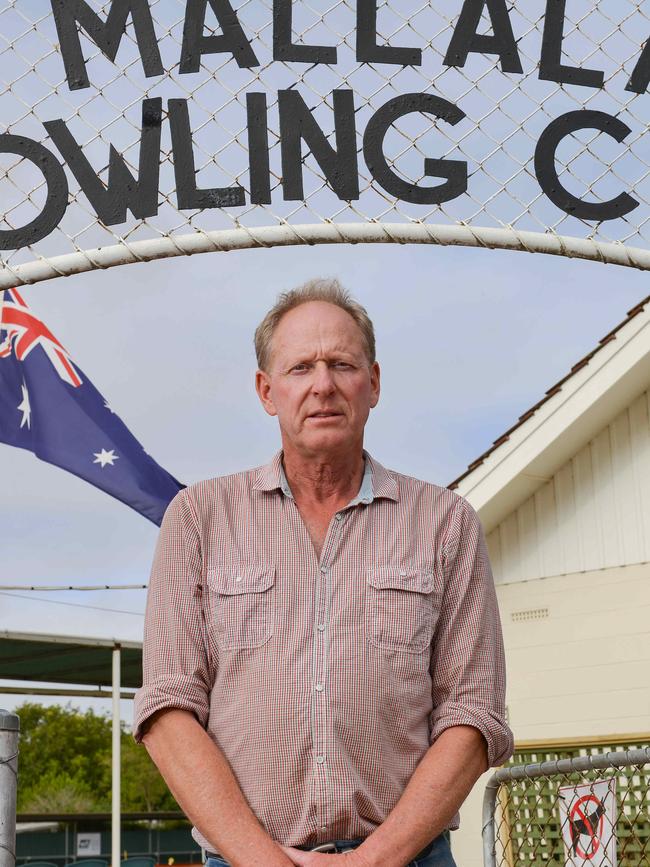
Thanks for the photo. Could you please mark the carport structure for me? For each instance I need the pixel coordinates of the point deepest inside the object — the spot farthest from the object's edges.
(82, 667)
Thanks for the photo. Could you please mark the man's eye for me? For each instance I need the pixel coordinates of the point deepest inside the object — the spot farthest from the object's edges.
(298, 368)
(342, 364)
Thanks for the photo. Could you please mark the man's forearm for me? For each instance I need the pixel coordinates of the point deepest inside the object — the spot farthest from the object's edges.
(202, 781)
(440, 784)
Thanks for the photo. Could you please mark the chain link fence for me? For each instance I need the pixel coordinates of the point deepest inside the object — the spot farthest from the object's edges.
(79, 91)
(530, 818)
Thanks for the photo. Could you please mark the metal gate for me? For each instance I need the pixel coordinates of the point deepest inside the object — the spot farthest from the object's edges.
(522, 822)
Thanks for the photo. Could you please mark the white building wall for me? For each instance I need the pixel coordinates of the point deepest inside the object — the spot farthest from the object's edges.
(572, 568)
(578, 653)
(578, 657)
(594, 513)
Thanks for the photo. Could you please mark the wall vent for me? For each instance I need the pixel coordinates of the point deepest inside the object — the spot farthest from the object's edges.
(529, 614)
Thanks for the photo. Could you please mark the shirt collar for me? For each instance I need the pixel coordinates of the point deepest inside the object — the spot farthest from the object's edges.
(376, 482)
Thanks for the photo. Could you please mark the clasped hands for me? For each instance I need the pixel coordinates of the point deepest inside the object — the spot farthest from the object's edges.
(353, 858)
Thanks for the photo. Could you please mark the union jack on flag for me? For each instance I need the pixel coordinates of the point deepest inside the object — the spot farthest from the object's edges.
(25, 331)
(50, 407)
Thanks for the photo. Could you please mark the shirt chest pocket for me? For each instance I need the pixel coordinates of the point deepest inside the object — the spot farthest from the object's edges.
(401, 608)
(242, 599)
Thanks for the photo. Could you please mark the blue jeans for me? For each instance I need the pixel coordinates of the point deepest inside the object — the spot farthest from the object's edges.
(440, 856)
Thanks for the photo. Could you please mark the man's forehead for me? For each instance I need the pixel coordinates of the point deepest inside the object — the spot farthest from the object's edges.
(315, 326)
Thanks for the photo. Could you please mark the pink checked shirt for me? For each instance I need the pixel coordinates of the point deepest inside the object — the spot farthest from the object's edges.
(324, 681)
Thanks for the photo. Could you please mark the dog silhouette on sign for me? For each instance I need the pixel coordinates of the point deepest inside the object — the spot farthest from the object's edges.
(587, 825)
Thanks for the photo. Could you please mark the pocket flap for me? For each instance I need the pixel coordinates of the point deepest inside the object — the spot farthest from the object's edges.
(234, 578)
(401, 578)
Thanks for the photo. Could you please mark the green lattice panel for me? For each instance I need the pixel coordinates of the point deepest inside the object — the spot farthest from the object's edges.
(528, 828)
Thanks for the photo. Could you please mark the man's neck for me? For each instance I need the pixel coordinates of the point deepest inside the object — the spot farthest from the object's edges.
(323, 480)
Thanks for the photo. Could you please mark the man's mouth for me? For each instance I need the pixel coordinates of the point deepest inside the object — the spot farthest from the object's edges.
(324, 414)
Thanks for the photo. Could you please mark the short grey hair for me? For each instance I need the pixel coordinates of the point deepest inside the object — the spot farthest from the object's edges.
(320, 289)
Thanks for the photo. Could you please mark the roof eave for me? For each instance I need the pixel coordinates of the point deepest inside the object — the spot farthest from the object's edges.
(561, 426)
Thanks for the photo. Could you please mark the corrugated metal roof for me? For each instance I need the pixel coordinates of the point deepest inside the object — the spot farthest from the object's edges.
(554, 389)
(67, 659)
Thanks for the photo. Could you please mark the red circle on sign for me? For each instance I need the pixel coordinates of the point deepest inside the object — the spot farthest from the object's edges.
(578, 813)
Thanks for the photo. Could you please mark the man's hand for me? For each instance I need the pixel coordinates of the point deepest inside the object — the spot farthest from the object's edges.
(353, 858)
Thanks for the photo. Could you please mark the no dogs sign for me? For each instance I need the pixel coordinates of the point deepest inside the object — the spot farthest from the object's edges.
(588, 821)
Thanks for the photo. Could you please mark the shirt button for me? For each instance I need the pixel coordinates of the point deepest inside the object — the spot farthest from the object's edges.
(321, 627)
(320, 759)
(238, 578)
(365, 500)
(338, 516)
(403, 573)
(320, 687)
(323, 569)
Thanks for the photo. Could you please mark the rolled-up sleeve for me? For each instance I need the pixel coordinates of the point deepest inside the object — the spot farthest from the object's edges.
(468, 660)
(175, 660)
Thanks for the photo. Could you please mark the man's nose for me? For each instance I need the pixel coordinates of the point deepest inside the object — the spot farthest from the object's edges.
(323, 381)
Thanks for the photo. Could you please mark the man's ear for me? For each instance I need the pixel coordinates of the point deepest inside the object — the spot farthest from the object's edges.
(374, 384)
(263, 389)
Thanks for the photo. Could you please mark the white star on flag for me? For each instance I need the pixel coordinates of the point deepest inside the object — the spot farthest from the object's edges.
(25, 408)
(102, 458)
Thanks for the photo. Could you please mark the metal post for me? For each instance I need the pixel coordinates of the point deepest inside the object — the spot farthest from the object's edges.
(489, 810)
(116, 817)
(9, 729)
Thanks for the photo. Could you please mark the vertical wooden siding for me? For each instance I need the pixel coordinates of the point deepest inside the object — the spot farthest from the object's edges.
(593, 514)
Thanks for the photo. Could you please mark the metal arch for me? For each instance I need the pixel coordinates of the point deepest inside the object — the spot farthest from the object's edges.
(326, 233)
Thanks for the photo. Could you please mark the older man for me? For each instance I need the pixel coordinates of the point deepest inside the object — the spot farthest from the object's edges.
(323, 660)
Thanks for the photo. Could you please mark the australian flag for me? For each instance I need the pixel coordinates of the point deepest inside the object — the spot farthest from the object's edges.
(48, 406)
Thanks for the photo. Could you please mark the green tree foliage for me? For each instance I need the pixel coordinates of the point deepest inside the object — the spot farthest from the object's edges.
(142, 786)
(58, 792)
(65, 764)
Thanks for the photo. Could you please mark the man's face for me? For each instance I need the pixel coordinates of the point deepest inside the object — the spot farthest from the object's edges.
(319, 383)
